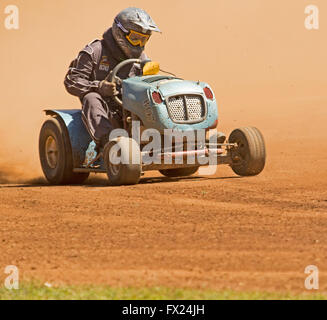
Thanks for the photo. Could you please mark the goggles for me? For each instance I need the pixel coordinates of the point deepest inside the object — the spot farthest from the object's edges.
(134, 38)
(137, 39)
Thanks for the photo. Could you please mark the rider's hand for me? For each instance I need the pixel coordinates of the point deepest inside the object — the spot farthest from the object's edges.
(107, 89)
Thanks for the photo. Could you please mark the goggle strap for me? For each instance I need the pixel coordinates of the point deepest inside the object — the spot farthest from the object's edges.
(120, 26)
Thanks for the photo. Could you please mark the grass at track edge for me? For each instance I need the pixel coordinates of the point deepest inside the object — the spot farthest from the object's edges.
(35, 291)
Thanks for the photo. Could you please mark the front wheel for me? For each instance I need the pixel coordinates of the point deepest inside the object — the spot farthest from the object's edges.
(249, 157)
(122, 158)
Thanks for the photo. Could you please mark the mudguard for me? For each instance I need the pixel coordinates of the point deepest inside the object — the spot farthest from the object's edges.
(82, 145)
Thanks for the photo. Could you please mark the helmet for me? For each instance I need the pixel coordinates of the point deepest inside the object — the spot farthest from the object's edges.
(132, 29)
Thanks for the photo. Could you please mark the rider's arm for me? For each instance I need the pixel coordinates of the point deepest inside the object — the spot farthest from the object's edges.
(78, 78)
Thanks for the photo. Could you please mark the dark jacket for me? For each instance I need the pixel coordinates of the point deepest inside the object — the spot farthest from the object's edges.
(94, 63)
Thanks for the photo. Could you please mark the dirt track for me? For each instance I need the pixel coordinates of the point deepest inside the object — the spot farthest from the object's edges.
(217, 232)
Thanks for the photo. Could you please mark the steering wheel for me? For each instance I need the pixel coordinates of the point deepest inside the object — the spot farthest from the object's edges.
(112, 77)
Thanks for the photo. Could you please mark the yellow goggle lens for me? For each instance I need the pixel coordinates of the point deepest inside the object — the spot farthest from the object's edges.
(137, 39)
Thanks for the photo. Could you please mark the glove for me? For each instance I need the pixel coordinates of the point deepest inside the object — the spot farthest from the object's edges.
(107, 89)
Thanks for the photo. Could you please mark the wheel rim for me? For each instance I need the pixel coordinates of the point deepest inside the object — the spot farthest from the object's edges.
(241, 149)
(51, 152)
(114, 166)
(240, 153)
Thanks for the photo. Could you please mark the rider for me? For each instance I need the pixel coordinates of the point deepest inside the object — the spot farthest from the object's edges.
(85, 79)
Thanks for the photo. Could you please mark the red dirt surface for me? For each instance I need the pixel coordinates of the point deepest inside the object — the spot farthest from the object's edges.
(202, 232)
(219, 232)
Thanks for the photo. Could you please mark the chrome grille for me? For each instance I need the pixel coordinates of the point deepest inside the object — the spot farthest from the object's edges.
(177, 109)
(188, 108)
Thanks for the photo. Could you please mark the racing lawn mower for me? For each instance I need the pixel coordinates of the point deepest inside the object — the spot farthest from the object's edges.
(159, 102)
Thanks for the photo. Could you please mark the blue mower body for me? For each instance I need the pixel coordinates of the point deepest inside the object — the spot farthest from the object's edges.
(137, 97)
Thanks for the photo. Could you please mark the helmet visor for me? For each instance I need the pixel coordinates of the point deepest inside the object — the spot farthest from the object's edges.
(137, 39)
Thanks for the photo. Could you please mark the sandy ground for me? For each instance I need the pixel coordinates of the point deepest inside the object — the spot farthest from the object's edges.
(202, 232)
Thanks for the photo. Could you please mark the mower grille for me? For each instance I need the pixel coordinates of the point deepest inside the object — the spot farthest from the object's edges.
(188, 108)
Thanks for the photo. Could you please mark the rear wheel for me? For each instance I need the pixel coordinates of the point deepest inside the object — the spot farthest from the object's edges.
(179, 172)
(249, 157)
(122, 159)
(56, 154)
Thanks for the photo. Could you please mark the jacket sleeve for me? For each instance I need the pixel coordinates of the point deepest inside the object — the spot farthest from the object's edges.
(78, 80)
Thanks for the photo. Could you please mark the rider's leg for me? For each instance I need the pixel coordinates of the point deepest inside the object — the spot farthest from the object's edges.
(98, 118)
